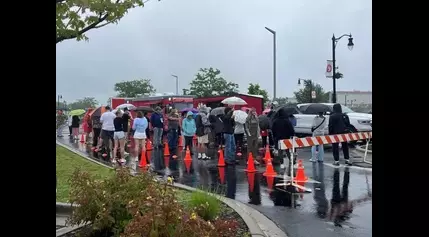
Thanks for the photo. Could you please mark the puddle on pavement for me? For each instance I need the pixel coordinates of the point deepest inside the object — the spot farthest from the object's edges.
(331, 202)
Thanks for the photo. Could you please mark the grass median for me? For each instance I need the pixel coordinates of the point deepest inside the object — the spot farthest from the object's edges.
(67, 162)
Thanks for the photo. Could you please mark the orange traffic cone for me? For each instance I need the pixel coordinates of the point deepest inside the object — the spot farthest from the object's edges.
(267, 154)
(82, 138)
(270, 169)
(143, 161)
(300, 175)
(270, 182)
(180, 141)
(188, 160)
(166, 150)
(149, 155)
(250, 164)
(251, 180)
(166, 161)
(149, 145)
(221, 171)
(221, 160)
(301, 190)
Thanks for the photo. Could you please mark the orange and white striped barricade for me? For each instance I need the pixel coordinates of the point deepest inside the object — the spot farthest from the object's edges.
(323, 140)
(296, 142)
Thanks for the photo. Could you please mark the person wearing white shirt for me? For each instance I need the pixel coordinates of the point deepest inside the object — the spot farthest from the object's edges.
(318, 129)
(107, 128)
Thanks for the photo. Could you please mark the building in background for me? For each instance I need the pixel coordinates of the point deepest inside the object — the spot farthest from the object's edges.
(360, 101)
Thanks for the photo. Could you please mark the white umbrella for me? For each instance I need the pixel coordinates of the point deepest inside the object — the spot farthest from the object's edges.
(240, 116)
(123, 106)
(234, 101)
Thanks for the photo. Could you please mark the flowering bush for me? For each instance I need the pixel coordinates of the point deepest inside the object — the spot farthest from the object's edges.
(128, 206)
(205, 205)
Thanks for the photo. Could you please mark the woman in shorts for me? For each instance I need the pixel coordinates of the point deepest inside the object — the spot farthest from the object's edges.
(139, 126)
(118, 137)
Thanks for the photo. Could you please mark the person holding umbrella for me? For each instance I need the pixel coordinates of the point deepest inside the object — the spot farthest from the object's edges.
(282, 128)
(87, 125)
(228, 134)
(75, 127)
(126, 118)
(203, 129)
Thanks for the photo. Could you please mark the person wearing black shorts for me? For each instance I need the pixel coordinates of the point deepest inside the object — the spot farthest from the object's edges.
(126, 117)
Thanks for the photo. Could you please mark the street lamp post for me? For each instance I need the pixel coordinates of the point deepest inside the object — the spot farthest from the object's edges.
(311, 87)
(177, 84)
(334, 44)
(274, 61)
(58, 101)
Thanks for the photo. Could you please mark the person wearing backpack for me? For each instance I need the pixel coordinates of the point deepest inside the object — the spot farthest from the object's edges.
(339, 123)
(318, 129)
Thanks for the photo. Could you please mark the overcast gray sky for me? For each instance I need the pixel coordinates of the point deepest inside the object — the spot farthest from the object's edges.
(181, 36)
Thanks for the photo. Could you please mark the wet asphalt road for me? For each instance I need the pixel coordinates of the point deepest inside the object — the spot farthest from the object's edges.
(340, 205)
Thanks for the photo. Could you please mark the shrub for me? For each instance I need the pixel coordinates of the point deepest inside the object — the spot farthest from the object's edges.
(205, 205)
(130, 206)
(103, 203)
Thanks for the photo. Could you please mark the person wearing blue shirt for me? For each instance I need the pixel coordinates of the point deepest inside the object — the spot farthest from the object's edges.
(188, 129)
(139, 125)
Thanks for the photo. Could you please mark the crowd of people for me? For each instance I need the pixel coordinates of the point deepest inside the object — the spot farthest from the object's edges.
(112, 130)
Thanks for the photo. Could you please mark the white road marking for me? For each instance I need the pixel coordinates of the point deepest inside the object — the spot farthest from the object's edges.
(351, 167)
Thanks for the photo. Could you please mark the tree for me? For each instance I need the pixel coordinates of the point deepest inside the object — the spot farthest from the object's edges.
(338, 75)
(86, 102)
(255, 89)
(76, 17)
(208, 82)
(134, 88)
(304, 95)
(62, 105)
(281, 101)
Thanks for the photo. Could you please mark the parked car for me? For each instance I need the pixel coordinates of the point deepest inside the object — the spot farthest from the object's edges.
(361, 122)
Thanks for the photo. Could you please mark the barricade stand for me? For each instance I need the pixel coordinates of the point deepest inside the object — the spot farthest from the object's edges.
(366, 152)
(285, 177)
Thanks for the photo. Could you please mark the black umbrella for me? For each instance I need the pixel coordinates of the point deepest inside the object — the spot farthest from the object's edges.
(264, 122)
(315, 109)
(217, 111)
(290, 109)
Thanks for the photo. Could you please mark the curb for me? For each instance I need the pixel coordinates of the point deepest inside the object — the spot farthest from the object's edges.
(64, 208)
(258, 224)
(360, 149)
(82, 154)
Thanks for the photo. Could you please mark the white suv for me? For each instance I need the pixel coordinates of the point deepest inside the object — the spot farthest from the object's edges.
(361, 122)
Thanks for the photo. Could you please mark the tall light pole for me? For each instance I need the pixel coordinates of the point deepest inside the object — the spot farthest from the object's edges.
(58, 101)
(334, 76)
(274, 61)
(177, 84)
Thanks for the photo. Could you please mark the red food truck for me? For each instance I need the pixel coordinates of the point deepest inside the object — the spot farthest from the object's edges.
(255, 101)
(166, 102)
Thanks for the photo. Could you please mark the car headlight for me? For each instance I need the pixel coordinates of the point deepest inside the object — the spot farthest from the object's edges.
(365, 122)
